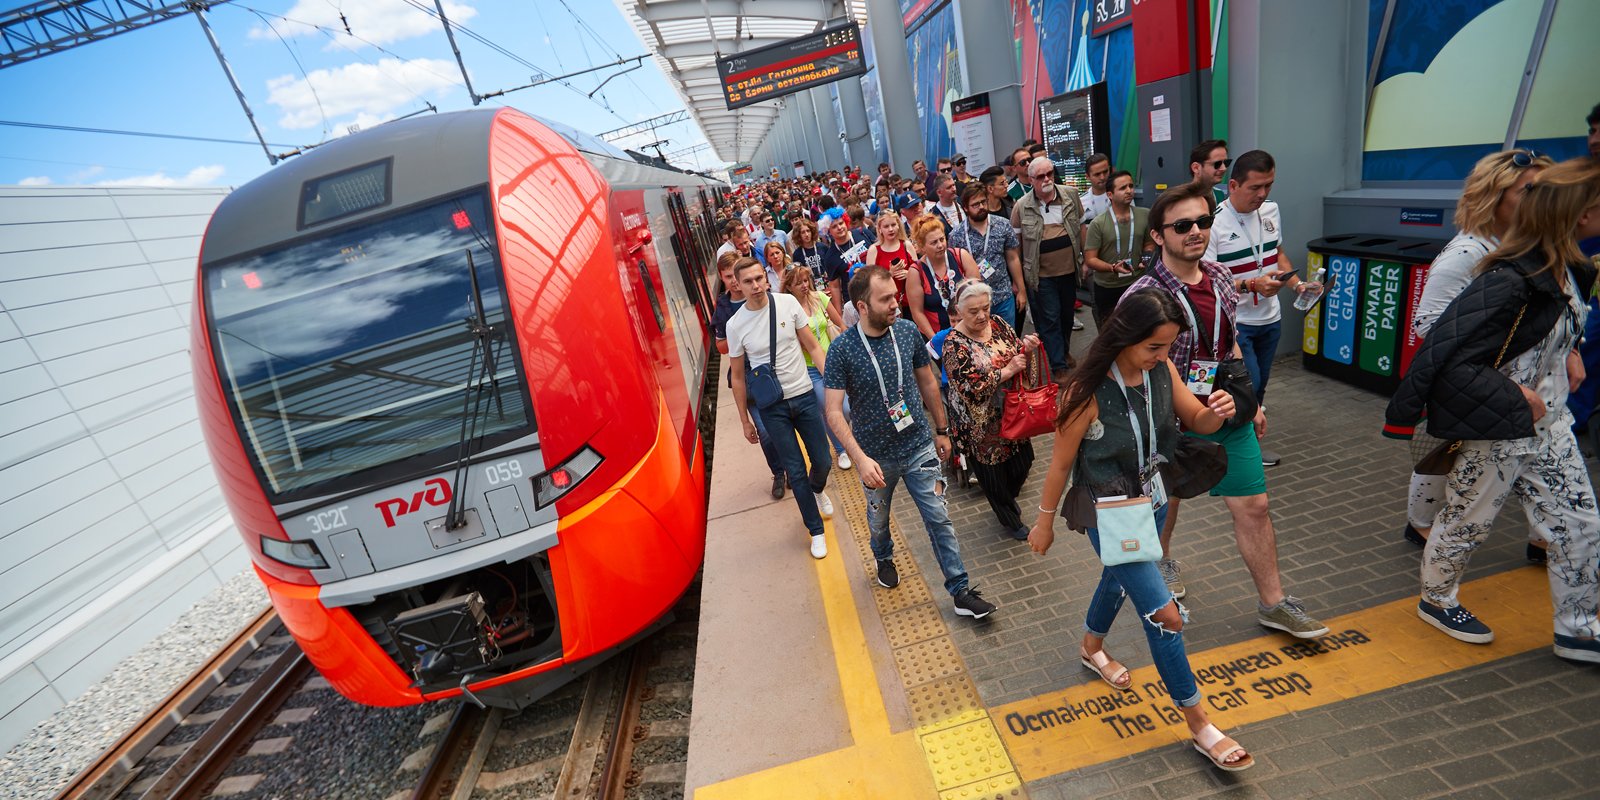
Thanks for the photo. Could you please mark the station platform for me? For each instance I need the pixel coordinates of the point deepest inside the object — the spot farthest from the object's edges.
(813, 682)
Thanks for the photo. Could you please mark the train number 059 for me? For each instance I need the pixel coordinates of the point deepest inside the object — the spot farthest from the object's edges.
(503, 471)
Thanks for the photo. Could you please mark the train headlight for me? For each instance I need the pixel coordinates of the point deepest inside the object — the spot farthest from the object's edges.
(296, 554)
(550, 486)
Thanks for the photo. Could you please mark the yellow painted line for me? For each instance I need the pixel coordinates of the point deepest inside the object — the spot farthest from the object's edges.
(1367, 651)
(863, 702)
(887, 768)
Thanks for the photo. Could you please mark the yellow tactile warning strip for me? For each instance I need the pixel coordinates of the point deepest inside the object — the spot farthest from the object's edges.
(963, 750)
(1368, 651)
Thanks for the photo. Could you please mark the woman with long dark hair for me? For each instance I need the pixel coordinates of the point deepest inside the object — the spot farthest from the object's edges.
(1493, 375)
(1117, 421)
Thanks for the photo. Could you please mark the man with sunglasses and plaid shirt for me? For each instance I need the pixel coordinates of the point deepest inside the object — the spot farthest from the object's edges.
(1180, 224)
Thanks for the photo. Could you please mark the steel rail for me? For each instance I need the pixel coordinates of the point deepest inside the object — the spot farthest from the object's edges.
(114, 769)
(619, 753)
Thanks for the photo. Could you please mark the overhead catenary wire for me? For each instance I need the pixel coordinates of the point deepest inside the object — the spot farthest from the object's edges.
(148, 134)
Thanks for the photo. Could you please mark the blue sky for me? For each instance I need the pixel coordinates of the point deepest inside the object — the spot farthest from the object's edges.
(165, 79)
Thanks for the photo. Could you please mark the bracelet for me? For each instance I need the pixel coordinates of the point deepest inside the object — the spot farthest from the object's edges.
(1044, 510)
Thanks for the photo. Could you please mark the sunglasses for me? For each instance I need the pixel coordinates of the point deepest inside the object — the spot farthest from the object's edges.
(945, 169)
(961, 163)
(1186, 225)
(1221, 163)
(1522, 159)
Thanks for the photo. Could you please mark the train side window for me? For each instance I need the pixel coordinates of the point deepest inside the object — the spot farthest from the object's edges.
(650, 292)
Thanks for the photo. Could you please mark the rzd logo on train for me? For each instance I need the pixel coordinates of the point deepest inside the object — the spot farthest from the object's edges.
(436, 492)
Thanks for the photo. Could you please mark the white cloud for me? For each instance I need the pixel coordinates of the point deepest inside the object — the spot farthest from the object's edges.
(199, 176)
(85, 174)
(36, 180)
(377, 21)
(372, 92)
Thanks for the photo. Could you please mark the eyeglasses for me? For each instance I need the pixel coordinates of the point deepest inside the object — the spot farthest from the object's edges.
(1221, 163)
(945, 169)
(1186, 225)
(1522, 159)
(1040, 177)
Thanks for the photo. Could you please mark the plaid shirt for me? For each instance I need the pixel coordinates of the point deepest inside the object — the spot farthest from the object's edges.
(1186, 347)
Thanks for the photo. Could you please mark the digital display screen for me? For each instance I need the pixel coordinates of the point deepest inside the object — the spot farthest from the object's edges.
(1075, 125)
(344, 193)
(789, 66)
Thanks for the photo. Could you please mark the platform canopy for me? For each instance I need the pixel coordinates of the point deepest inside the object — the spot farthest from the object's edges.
(688, 36)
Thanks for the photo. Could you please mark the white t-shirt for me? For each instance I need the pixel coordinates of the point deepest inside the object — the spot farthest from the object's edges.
(1094, 205)
(1448, 277)
(749, 334)
(1247, 246)
(952, 213)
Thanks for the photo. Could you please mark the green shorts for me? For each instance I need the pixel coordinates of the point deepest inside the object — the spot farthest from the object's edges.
(1246, 477)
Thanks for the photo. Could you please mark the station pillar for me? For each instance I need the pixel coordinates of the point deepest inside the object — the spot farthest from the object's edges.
(856, 135)
(987, 47)
(904, 129)
(816, 142)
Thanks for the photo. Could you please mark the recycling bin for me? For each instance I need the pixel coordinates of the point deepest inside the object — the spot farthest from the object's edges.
(1360, 331)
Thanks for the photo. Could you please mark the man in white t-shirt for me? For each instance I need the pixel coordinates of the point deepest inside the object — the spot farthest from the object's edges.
(1097, 199)
(1247, 239)
(765, 317)
(944, 188)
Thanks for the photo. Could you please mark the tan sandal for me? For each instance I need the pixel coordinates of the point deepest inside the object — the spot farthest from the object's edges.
(1107, 668)
(1220, 748)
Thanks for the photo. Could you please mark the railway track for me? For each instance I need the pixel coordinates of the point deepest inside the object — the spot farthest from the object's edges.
(620, 731)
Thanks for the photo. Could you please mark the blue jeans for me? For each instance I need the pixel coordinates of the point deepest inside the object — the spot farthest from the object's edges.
(1142, 580)
(1004, 306)
(801, 416)
(767, 448)
(923, 475)
(1052, 306)
(1582, 402)
(817, 390)
(1258, 344)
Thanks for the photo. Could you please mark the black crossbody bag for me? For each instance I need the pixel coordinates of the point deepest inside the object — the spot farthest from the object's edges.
(1232, 375)
(762, 381)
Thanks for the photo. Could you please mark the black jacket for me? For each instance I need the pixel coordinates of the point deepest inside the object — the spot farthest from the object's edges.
(1453, 376)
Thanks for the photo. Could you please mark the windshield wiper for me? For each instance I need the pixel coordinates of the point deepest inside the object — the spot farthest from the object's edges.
(472, 398)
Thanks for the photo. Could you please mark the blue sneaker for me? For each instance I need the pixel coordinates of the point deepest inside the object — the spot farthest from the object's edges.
(1571, 647)
(1458, 622)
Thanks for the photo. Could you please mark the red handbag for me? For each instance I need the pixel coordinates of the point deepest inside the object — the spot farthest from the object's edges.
(1030, 409)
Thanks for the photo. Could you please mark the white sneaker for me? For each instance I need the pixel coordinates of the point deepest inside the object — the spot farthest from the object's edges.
(844, 461)
(819, 547)
(824, 505)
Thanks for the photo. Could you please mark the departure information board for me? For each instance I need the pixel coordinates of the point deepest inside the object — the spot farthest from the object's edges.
(1076, 125)
(773, 71)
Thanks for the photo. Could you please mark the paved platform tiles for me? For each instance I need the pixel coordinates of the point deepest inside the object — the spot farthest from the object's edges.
(1388, 707)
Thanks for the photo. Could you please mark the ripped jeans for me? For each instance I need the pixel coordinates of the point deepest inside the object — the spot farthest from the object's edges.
(1142, 581)
(924, 479)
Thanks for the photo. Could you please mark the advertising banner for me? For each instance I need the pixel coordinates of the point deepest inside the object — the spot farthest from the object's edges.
(1380, 316)
(974, 133)
(1339, 312)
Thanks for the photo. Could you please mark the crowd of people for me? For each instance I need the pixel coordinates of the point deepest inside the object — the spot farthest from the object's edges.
(875, 323)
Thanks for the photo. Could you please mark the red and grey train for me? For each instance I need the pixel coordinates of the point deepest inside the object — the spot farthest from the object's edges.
(450, 371)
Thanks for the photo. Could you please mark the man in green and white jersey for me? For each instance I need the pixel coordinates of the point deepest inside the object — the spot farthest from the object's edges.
(1247, 239)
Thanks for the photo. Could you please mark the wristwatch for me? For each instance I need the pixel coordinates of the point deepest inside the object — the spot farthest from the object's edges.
(942, 431)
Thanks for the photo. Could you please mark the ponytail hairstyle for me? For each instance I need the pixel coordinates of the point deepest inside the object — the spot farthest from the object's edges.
(1135, 319)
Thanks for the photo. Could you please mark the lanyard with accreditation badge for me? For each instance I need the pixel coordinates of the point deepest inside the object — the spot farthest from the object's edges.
(1202, 375)
(899, 412)
(1149, 475)
(984, 267)
(1256, 247)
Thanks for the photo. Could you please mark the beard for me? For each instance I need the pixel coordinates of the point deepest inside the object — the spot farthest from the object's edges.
(882, 320)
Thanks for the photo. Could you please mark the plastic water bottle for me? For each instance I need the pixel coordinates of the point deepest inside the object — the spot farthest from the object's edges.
(1313, 292)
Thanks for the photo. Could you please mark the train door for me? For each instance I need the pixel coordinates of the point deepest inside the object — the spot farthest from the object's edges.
(691, 260)
(691, 321)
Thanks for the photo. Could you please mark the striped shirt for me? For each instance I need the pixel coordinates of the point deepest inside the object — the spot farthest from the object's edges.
(1246, 245)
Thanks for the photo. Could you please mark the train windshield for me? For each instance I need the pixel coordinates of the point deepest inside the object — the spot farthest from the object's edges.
(355, 351)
